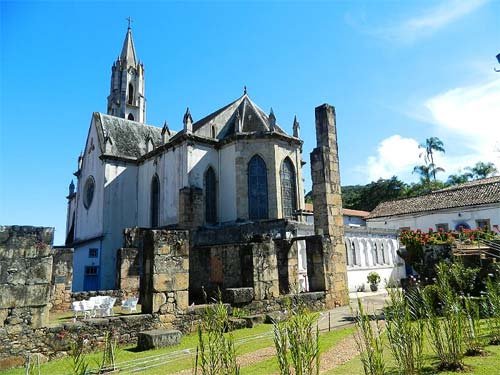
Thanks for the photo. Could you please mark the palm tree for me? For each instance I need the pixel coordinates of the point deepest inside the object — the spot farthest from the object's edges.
(426, 171)
(482, 170)
(431, 145)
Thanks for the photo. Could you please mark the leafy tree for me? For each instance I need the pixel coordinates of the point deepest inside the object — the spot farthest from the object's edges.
(380, 191)
(432, 145)
(482, 170)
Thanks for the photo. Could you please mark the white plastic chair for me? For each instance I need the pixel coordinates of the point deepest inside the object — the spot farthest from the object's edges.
(88, 308)
(106, 308)
(77, 307)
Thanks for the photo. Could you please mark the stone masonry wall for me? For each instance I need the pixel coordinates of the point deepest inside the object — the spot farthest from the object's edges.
(166, 273)
(129, 264)
(25, 276)
(327, 200)
(62, 278)
(54, 342)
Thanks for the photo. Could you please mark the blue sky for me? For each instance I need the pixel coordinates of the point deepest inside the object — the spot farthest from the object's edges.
(397, 73)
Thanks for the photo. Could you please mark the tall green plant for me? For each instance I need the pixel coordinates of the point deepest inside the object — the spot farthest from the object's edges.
(405, 330)
(108, 354)
(297, 343)
(474, 343)
(369, 342)
(79, 364)
(215, 354)
(446, 331)
(492, 306)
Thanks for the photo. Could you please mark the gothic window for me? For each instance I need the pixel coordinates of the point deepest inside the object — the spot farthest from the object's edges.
(214, 132)
(131, 116)
(155, 201)
(210, 196)
(88, 192)
(130, 94)
(288, 188)
(257, 189)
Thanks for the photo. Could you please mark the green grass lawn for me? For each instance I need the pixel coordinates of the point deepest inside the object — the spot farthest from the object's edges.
(165, 360)
(326, 341)
(479, 365)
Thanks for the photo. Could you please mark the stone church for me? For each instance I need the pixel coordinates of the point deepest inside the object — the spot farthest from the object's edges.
(232, 181)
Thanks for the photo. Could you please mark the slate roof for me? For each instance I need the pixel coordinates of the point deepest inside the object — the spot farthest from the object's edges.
(124, 138)
(253, 119)
(473, 193)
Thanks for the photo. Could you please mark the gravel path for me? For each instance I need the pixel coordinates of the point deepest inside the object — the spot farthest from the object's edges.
(339, 354)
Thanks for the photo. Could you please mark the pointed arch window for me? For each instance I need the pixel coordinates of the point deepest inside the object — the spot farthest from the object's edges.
(155, 201)
(130, 94)
(210, 196)
(257, 189)
(288, 188)
(130, 117)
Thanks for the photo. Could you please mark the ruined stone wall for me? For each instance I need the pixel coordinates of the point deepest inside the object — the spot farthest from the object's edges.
(191, 207)
(54, 342)
(165, 282)
(25, 276)
(62, 278)
(129, 265)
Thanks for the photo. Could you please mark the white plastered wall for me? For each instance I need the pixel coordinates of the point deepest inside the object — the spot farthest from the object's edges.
(452, 217)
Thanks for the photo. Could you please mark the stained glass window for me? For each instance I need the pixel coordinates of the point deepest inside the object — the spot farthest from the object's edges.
(257, 189)
(288, 188)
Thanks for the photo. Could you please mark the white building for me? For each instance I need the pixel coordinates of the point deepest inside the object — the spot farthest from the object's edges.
(474, 204)
(234, 165)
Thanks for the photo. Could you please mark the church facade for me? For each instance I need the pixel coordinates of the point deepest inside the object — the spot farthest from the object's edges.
(235, 165)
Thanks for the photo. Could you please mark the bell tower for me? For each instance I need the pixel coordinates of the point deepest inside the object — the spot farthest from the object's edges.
(126, 98)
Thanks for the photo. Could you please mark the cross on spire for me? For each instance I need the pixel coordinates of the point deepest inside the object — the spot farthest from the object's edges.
(130, 20)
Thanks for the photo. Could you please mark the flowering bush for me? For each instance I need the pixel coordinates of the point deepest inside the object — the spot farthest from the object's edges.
(411, 238)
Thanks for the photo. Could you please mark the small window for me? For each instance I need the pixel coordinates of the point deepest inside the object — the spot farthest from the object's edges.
(483, 224)
(214, 132)
(93, 253)
(91, 270)
(88, 192)
(443, 227)
(130, 94)
(131, 117)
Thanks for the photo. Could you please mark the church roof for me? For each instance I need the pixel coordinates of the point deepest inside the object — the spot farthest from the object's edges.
(124, 138)
(128, 50)
(244, 110)
(479, 192)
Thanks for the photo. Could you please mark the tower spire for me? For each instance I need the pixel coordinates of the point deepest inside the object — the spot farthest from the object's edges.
(128, 49)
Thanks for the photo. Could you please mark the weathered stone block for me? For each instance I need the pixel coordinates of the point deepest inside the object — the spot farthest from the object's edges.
(253, 320)
(157, 338)
(181, 281)
(238, 295)
(158, 300)
(182, 299)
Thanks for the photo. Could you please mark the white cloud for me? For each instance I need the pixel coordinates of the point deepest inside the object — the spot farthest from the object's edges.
(396, 155)
(467, 120)
(430, 20)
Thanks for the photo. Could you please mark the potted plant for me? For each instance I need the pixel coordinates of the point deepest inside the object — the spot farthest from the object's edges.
(373, 278)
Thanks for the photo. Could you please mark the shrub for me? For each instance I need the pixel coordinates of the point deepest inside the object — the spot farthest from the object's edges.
(373, 278)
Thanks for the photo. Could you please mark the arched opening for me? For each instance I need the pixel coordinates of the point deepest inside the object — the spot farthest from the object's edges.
(130, 117)
(288, 188)
(130, 94)
(155, 201)
(257, 189)
(210, 196)
(214, 132)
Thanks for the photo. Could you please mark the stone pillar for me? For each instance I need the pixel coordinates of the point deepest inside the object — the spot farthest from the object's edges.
(165, 282)
(128, 266)
(62, 279)
(327, 200)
